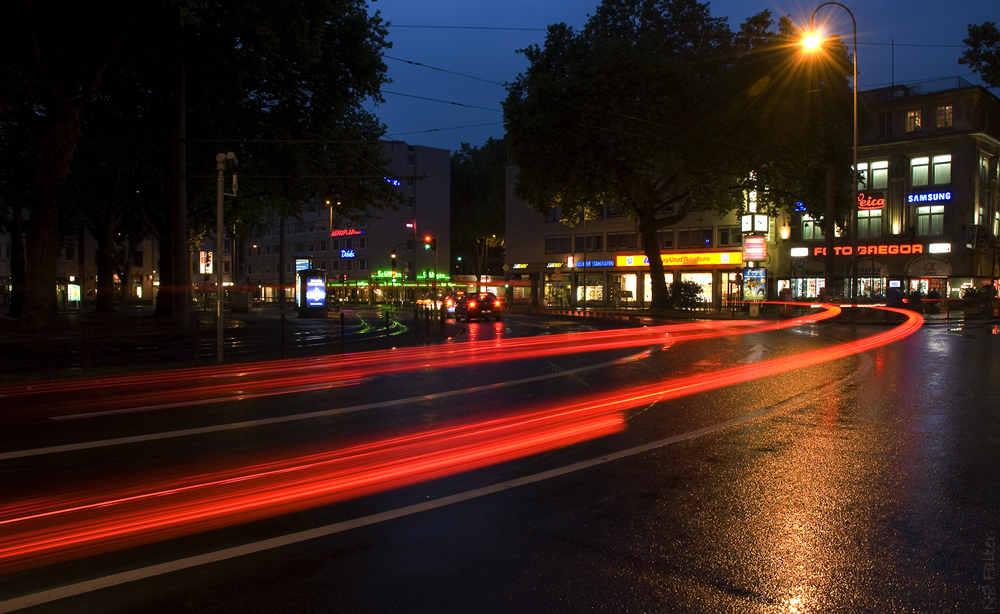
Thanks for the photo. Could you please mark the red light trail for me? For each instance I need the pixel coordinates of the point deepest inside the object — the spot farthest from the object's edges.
(180, 387)
(100, 518)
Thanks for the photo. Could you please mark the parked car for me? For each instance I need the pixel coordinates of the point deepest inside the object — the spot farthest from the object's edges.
(478, 305)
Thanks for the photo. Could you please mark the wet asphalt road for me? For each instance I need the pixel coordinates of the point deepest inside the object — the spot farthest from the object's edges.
(864, 485)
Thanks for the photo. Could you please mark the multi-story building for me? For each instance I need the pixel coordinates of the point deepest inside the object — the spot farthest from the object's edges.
(383, 257)
(928, 218)
(928, 210)
(601, 262)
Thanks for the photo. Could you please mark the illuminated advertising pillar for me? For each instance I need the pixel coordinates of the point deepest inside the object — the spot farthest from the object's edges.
(312, 289)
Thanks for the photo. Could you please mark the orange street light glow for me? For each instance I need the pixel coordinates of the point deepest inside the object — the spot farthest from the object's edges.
(812, 41)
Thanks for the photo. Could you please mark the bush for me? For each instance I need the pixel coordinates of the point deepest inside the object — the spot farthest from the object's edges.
(685, 294)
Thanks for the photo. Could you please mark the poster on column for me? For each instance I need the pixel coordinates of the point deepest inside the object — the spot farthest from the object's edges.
(754, 283)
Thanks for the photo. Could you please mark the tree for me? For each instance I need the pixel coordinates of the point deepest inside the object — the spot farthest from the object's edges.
(658, 109)
(478, 175)
(983, 54)
(281, 84)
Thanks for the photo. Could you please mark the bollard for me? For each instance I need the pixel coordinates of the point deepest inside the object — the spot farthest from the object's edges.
(387, 328)
(197, 342)
(343, 332)
(416, 323)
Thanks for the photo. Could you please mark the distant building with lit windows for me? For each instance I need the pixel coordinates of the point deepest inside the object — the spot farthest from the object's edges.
(357, 257)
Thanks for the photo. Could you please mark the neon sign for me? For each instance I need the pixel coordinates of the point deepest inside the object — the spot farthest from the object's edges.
(754, 248)
(870, 202)
(926, 198)
(872, 250)
(593, 263)
(347, 253)
(346, 232)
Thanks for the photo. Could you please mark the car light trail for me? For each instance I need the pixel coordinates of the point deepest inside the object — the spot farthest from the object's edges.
(181, 387)
(96, 519)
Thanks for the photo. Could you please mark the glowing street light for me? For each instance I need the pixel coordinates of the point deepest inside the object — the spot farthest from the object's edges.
(811, 42)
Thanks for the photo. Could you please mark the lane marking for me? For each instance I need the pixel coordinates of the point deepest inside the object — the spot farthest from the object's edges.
(756, 355)
(142, 573)
(103, 443)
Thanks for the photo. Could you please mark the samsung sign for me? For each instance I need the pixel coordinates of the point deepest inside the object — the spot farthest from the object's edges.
(927, 198)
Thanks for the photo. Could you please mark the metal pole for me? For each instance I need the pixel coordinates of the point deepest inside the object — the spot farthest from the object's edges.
(220, 165)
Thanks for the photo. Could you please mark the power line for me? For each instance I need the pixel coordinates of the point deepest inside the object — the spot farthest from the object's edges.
(457, 104)
(443, 129)
(392, 25)
(443, 70)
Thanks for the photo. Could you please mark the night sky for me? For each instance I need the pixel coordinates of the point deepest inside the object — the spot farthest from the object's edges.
(479, 40)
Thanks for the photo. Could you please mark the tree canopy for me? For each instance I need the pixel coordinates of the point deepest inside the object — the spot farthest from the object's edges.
(658, 109)
(983, 54)
(280, 84)
(478, 175)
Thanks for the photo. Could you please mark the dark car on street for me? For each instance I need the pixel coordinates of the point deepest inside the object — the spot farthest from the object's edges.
(450, 302)
(481, 305)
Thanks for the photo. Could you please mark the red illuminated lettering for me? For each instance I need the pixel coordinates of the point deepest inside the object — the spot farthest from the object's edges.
(869, 202)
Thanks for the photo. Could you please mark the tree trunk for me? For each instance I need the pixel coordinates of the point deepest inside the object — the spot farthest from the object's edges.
(658, 286)
(42, 237)
(105, 272)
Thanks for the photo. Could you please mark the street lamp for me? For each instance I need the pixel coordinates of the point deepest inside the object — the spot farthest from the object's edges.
(812, 42)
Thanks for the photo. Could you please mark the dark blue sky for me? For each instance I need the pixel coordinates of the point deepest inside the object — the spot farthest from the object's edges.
(478, 41)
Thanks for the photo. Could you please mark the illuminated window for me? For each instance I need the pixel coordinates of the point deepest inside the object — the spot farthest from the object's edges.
(919, 170)
(944, 116)
(874, 176)
(913, 120)
(812, 230)
(880, 175)
(869, 223)
(984, 172)
(930, 220)
(996, 224)
(942, 169)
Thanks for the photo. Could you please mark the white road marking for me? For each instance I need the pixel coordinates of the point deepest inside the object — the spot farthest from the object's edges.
(756, 355)
(103, 443)
(302, 536)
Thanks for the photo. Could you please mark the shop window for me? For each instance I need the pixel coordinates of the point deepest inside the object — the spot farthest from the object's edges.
(812, 230)
(919, 171)
(730, 236)
(869, 223)
(945, 116)
(913, 120)
(559, 244)
(942, 169)
(930, 220)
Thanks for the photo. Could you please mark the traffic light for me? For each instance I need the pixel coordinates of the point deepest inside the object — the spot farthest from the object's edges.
(430, 242)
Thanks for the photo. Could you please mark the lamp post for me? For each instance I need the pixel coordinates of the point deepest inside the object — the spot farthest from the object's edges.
(220, 165)
(811, 42)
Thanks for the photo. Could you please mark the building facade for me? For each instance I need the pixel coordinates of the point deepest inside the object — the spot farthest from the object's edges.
(358, 257)
(928, 219)
(601, 262)
(928, 208)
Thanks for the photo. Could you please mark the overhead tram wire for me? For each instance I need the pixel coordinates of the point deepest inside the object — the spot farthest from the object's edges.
(449, 128)
(457, 104)
(450, 72)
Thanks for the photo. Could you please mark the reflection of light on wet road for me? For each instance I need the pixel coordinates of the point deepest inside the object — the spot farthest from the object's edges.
(166, 389)
(100, 518)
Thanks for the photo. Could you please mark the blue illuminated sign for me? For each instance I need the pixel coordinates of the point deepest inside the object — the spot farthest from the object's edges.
(927, 198)
(315, 292)
(347, 253)
(593, 263)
